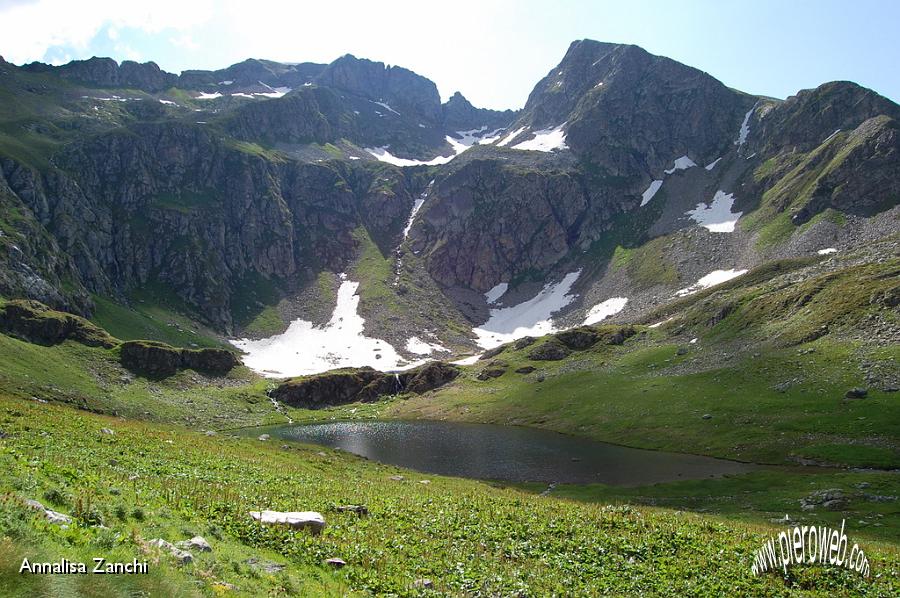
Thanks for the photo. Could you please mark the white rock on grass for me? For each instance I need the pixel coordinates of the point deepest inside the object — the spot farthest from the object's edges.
(182, 556)
(197, 543)
(51, 515)
(294, 519)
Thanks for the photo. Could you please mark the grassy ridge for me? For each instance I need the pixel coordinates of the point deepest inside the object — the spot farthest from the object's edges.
(145, 482)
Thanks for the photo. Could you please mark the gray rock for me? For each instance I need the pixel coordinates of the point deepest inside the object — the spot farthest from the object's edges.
(336, 563)
(182, 556)
(197, 543)
(856, 393)
(310, 520)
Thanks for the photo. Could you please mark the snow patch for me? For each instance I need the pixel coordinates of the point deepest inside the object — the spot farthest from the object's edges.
(716, 217)
(648, 194)
(830, 137)
(496, 292)
(510, 137)
(545, 140)
(827, 251)
(471, 360)
(529, 318)
(276, 92)
(710, 280)
(225, 82)
(168, 102)
(386, 107)
(745, 128)
(419, 347)
(605, 309)
(307, 349)
(208, 96)
(382, 154)
(712, 164)
(417, 205)
(682, 163)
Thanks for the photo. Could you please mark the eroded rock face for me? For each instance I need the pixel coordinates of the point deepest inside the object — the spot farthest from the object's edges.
(37, 323)
(159, 360)
(366, 384)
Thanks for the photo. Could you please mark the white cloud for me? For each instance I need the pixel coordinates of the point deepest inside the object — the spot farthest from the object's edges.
(29, 30)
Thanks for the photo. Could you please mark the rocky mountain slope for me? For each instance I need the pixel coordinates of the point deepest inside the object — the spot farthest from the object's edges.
(238, 196)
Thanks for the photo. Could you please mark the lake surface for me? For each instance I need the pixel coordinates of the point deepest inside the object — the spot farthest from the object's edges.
(506, 453)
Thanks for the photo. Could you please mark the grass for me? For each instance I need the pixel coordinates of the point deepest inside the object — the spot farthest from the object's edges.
(151, 481)
(639, 396)
(152, 321)
(92, 378)
(768, 494)
(374, 272)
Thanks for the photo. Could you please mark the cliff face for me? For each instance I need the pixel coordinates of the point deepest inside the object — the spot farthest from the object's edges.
(175, 204)
(265, 174)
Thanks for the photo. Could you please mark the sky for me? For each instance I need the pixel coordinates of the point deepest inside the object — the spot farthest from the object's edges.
(493, 51)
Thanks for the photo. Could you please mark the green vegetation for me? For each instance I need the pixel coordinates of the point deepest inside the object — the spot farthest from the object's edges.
(145, 319)
(374, 271)
(144, 482)
(647, 265)
(768, 494)
(254, 304)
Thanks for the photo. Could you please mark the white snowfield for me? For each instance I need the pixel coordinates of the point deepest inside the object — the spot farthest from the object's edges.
(716, 217)
(495, 293)
(471, 360)
(307, 349)
(467, 140)
(382, 154)
(647, 195)
(529, 318)
(710, 280)
(208, 96)
(712, 164)
(827, 251)
(605, 309)
(419, 347)
(510, 136)
(545, 140)
(682, 163)
(168, 102)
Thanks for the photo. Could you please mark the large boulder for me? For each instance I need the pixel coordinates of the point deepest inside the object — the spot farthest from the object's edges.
(339, 387)
(159, 360)
(579, 339)
(430, 376)
(150, 358)
(550, 350)
(210, 360)
(310, 520)
(36, 323)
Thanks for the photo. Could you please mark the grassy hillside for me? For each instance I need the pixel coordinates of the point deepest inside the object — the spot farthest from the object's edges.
(143, 482)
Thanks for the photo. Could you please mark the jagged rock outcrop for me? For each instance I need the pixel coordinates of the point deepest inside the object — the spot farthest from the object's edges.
(400, 88)
(106, 72)
(159, 360)
(460, 115)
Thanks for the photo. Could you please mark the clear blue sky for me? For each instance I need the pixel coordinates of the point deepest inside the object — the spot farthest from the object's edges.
(492, 51)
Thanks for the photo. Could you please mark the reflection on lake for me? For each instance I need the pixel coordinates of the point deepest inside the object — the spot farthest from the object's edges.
(505, 453)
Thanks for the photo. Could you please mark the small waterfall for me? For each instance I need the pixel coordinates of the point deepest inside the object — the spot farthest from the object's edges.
(417, 205)
(398, 384)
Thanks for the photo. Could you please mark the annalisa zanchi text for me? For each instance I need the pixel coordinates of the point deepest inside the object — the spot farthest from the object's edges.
(97, 566)
(807, 545)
